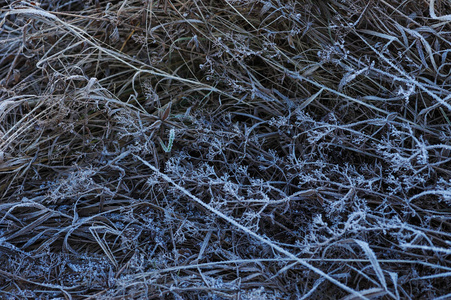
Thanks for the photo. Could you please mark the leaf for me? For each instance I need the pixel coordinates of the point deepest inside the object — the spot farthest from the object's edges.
(166, 113)
(368, 294)
(309, 100)
(372, 257)
(171, 141)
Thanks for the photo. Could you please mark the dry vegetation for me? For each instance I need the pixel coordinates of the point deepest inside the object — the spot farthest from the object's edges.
(230, 149)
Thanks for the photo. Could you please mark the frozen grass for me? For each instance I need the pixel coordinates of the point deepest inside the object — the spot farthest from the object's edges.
(225, 149)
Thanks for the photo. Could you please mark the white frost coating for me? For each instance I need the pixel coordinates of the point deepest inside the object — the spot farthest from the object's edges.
(253, 234)
(32, 11)
(434, 16)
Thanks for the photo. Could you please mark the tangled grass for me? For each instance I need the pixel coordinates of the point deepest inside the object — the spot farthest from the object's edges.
(232, 149)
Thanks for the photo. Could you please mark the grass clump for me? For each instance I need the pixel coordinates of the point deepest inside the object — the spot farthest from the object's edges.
(227, 150)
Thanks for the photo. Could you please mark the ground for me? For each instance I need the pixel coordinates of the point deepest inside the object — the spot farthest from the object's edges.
(225, 149)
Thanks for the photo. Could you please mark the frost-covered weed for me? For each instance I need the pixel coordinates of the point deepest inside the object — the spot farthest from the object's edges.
(304, 143)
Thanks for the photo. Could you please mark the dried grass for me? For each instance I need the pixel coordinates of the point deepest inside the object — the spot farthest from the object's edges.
(225, 150)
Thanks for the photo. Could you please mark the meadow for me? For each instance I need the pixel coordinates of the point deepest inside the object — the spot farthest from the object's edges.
(230, 149)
